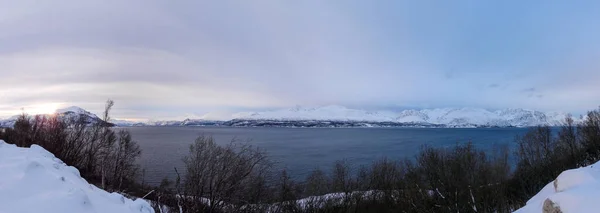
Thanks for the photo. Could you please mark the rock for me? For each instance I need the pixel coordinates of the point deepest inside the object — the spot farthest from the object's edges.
(551, 207)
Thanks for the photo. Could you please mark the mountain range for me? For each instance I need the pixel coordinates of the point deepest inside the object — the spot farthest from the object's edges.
(446, 117)
(339, 116)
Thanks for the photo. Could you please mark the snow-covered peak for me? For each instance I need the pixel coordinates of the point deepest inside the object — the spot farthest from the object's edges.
(33, 180)
(457, 116)
(76, 113)
(75, 110)
(414, 116)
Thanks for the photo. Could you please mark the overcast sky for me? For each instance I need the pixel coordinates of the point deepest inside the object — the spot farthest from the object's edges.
(174, 59)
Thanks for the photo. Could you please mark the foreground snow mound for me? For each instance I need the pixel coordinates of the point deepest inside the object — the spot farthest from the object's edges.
(33, 180)
(575, 190)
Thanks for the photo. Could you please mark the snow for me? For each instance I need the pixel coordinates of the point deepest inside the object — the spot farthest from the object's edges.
(575, 190)
(450, 117)
(75, 109)
(75, 112)
(463, 115)
(33, 180)
(218, 116)
(125, 122)
(332, 112)
(444, 116)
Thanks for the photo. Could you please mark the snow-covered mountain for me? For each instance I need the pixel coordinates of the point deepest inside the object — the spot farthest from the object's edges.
(339, 116)
(118, 122)
(186, 122)
(72, 113)
(8, 122)
(332, 112)
(450, 117)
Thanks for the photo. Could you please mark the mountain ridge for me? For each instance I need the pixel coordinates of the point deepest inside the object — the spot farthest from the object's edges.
(346, 117)
(340, 116)
(439, 116)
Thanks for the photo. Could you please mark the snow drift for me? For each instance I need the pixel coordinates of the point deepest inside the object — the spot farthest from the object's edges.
(575, 190)
(33, 180)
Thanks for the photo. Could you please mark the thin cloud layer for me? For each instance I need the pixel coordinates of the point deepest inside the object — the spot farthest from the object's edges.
(161, 60)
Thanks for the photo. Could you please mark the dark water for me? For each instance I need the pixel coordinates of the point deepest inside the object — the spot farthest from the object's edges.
(302, 149)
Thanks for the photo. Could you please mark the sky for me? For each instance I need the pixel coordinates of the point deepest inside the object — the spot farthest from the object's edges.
(177, 59)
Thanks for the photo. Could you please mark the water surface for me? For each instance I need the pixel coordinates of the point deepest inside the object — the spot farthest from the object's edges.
(302, 149)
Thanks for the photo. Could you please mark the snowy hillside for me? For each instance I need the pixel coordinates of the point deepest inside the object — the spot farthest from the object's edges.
(575, 190)
(451, 117)
(127, 123)
(33, 180)
(9, 122)
(186, 122)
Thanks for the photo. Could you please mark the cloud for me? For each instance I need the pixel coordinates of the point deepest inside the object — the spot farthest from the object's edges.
(132, 77)
(494, 85)
(180, 58)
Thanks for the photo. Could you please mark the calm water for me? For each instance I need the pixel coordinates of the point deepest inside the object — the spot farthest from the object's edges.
(302, 149)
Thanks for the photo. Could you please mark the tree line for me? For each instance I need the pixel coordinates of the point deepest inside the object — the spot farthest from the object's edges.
(239, 177)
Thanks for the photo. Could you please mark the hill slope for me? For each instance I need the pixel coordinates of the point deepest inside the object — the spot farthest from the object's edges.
(33, 180)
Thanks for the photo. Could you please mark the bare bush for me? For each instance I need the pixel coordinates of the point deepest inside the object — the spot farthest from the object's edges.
(218, 176)
(124, 156)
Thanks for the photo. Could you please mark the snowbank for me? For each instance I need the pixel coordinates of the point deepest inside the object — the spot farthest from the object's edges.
(575, 190)
(33, 180)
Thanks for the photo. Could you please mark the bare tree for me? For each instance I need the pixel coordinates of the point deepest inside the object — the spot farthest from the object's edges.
(590, 136)
(317, 183)
(125, 154)
(287, 194)
(535, 146)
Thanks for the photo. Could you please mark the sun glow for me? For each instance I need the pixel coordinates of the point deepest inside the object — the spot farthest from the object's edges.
(45, 108)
